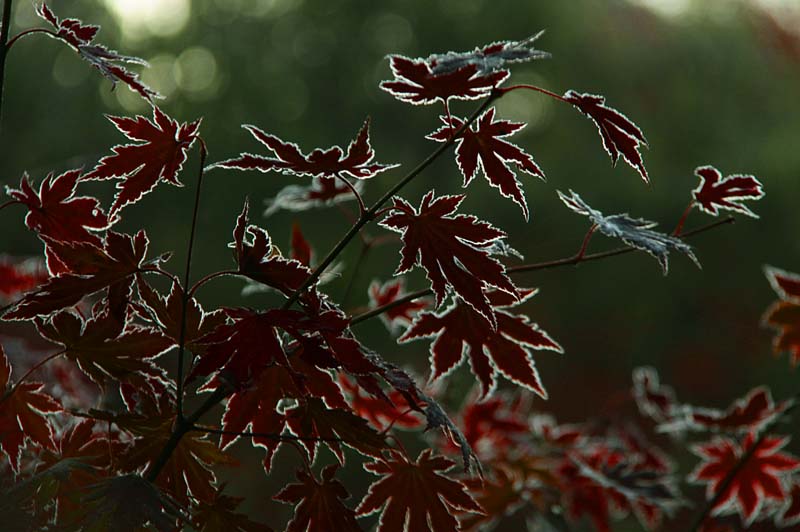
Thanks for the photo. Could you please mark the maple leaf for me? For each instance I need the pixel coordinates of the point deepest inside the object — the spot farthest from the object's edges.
(159, 156)
(80, 36)
(482, 146)
(784, 316)
(415, 82)
(460, 332)
(415, 495)
(451, 249)
(381, 412)
(495, 425)
(715, 192)
(104, 348)
(636, 232)
(759, 480)
(499, 496)
(23, 415)
(18, 277)
(381, 294)
(220, 515)
(56, 212)
(357, 162)
(489, 58)
(749, 413)
(620, 136)
(256, 408)
(301, 249)
(321, 192)
(789, 514)
(91, 269)
(319, 505)
(260, 261)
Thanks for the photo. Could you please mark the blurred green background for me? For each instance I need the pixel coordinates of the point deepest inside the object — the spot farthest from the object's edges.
(708, 81)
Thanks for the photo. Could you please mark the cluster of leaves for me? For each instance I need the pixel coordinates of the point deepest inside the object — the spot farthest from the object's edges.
(104, 441)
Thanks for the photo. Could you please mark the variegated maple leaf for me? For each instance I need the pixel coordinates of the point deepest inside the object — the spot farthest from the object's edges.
(159, 156)
(483, 147)
(636, 232)
(357, 162)
(110, 63)
(460, 332)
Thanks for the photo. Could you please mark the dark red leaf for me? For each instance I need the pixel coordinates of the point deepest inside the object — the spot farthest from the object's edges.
(394, 410)
(357, 162)
(654, 399)
(318, 504)
(79, 36)
(482, 147)
(750, 413)
(301, 249)
(715, 192)
(258, 259)
(219, 515)
(415, 495)
(620, 136)
(495, 425)
(460, 332)
(23, 415)
(784, 316)
(159, 156)
(759, 480)
(18, 277)
(415, 82)
(451, 249)
(789, 514)
(91, 269)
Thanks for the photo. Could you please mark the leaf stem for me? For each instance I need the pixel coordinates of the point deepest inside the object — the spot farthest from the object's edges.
(5, 25)
(22, 34)
(9, 204)
(558, 97)
(209, 277)
(30, 372)
(684, 216)
(574, 259)
(370, 214)
(361, 207)
(185, 294)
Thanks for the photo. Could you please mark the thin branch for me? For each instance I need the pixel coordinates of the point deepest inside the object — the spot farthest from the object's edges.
(575, 259)
(371, 212)
(533, 88)
(185, 294)
(209, 277)
(5, 25)
(30, 372)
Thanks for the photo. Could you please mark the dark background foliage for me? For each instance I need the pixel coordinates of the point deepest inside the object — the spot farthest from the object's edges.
(709, 82)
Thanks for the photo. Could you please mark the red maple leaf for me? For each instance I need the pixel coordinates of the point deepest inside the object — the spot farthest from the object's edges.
(393, 410)
(91, 269)
(415, 495)
(220, 515)
(415, 82)
(23, 415)
(653, 399)
(715, 192)
(389, 292)
(18, 277)
(255, 408)
(620, 135)
(784, 315)
(301, 249)
(451, 249)
(319, 505)
(482, 146)
(460, 332)
(759, 480)
(789, 514)
(79, 36)
(319, 163)
(259, 260)
(495, 425)
(159, 156)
